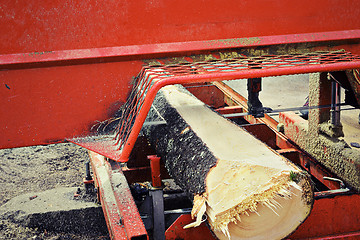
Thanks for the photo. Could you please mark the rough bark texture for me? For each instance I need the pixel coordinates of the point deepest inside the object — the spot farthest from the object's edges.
(247, 190)
(189, 168)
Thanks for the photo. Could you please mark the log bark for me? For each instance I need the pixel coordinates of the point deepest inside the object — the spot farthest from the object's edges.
(245, 189)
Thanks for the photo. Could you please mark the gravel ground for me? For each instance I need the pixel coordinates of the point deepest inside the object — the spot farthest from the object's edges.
(35, 169)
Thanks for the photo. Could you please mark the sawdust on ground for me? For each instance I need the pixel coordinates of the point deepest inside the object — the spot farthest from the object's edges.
(35, 169)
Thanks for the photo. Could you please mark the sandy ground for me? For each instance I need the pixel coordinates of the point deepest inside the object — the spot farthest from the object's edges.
(36, 169)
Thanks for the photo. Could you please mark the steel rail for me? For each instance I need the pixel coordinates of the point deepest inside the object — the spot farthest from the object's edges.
(36, 59)
(280, 110)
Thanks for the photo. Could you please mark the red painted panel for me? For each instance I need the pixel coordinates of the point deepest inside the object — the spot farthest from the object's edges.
(176, 230)
(31, 26)
(158, 50)
(45, 105)
(339, 215)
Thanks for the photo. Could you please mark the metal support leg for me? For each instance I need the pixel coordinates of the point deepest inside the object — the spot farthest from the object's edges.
(156, 194)
(335, 101)
(88, 180)
(158, 214)
(333, 128)
(255, 107)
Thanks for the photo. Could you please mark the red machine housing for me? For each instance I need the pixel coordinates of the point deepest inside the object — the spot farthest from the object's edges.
(66, 65)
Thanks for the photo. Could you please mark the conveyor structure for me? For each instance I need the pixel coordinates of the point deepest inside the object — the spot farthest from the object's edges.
(88, 73)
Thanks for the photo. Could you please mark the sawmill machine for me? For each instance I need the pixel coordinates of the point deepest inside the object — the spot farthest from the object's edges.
(88, 72)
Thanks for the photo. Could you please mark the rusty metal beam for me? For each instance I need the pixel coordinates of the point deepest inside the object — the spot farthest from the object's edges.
(121, 214)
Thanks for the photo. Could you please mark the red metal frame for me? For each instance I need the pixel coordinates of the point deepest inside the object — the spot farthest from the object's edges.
(46, 58)
(234, 99)
(155, 171)
(152, 79)
(276, 138)
(332, 218)
(176, 230)
(65, 65)
(329, 219)
(121, 214)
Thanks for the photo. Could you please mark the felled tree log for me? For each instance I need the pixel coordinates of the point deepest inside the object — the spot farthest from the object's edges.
(246, 190)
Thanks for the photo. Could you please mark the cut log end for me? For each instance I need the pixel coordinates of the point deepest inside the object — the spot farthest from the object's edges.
(272, 213)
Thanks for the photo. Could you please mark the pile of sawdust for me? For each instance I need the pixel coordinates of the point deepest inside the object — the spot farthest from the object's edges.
(36, 169)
